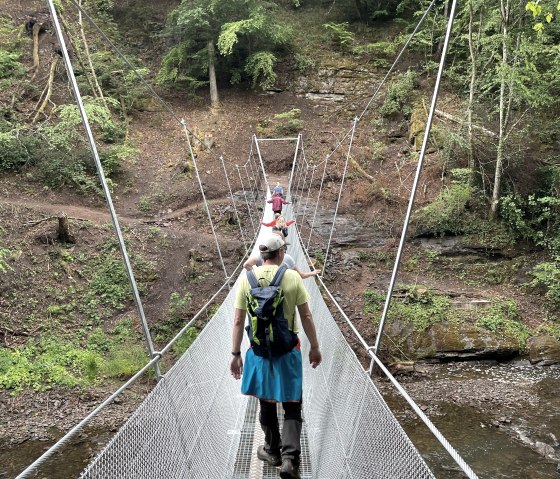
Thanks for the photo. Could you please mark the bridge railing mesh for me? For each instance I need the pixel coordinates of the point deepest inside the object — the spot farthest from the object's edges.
(190, 424)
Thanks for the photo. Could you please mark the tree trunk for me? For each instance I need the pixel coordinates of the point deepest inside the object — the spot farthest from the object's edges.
(214, 99)
(36, 30)
(48, 89)
(472, 84)
(441, 40)
(63, 233)
(504, 6)
(88, 56)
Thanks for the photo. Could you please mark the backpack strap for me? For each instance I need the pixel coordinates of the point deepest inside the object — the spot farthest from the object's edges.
(252, 279)
(279, 275)
(275, 280)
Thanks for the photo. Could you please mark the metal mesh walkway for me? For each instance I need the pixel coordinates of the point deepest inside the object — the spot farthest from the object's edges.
(196, 424)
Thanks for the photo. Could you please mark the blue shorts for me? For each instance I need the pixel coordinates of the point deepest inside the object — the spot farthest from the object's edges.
(282, 384)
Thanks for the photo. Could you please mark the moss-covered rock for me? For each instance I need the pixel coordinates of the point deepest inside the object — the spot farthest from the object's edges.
(451, 342)
(544, 350)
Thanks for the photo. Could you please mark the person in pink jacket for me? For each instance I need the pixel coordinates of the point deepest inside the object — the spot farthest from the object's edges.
(277, 202)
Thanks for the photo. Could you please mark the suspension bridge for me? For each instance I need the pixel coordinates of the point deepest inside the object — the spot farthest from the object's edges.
(195, 423)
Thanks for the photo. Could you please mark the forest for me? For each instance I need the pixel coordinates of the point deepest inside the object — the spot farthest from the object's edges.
(235, 68)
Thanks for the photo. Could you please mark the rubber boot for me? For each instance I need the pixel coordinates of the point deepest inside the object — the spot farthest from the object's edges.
(291, 449)
(268, 419)
(270, 452)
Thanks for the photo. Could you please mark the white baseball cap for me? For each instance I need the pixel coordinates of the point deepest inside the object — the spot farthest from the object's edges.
(271, 242)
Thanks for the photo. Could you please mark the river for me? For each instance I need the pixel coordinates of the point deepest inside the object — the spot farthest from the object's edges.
(494, 415)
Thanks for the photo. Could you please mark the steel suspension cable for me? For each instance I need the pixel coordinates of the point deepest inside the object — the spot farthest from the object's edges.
(397, 59)
(253, 199)
(300, 195)
(340, 192)
(294, 162)
(313, 168)
(246, 201)
(233, 204)
(317, 202)
(106, 191)
(207, 207)
(416, 177)
(255, 139)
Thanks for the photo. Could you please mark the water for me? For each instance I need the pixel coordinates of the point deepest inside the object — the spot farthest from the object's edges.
(493, 449)
(67, 463)
(503, 448)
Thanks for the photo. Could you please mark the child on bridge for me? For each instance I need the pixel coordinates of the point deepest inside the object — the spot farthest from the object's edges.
(277, 202)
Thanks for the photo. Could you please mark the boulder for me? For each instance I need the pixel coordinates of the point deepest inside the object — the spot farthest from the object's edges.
(543, 350)
(451, 342)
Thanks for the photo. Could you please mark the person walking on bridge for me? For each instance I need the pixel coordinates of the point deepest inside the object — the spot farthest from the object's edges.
(277, 201)
(275, 378)
(253, 261)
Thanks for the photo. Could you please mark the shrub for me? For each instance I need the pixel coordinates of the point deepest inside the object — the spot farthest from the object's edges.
(399, 95)
(446, 214)
(419, 306)
(17, 149)
(178, 306)
(260, 67)
(125, 361)
(9, 65)
(185, 340)
(288, 122)
(503, 318)
(339, 34)
(547, 275)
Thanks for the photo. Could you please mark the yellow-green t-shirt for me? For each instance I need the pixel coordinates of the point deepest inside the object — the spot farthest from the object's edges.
(295, 293)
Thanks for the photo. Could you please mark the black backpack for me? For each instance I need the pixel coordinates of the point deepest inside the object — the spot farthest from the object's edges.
(268, 328)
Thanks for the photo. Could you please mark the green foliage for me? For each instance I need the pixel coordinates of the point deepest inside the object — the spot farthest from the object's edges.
(56, 361)
(503, 318)
(303, 63)
(125, 361)
(339, 34)
(418, 306)
(17, 149)
(185, 340)
(543, 13)
(550, 328)
(399, 95)
(281, 124)
(10, 65)
(245, 32)
(260, 66)
(47, 363)
(547, 275)
(178, 306)
(4, 266)
(375, 49)
(535, 218)
(67, 160)
(447, 213)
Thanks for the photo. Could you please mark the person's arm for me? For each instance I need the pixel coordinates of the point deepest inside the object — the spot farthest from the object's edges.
(309, 329)
(251, 261)
(269, 201)
(285, 202)
(291, 222)
(236, 362)
(306, 274)
(272, 223)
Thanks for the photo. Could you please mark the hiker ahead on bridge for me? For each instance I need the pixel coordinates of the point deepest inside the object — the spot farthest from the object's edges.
(273, 369)
(277, 201)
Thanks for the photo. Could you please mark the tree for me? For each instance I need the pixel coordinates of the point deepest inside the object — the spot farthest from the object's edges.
(215, 40)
